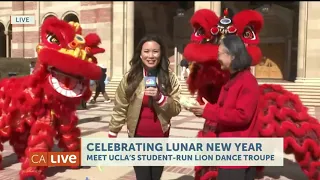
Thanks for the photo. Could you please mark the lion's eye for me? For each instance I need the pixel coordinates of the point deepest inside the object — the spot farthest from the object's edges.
(249, 33)
(199, 32)
(52, 39)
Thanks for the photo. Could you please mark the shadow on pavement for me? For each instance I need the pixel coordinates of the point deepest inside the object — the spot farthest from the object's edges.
(86, 120)
(52, 171)
(290, 170)
(89, 106)
(9, 160)
(185, 177)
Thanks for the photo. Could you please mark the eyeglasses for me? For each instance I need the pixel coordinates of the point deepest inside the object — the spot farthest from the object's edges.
(221, 53)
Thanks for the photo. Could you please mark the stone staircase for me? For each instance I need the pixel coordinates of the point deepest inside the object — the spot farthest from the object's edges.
(308, 92)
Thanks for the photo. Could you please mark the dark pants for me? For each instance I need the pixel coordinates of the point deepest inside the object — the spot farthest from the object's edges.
(237, 174)
(148, 172)
(101, 89)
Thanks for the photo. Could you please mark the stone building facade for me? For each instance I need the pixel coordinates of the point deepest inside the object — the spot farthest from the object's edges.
(21, 40)
(115, 23)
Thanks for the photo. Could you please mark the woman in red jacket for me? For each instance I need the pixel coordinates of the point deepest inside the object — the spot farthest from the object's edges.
(235, 113)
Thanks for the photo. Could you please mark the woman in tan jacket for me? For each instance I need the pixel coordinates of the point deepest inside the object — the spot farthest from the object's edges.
(147, 109)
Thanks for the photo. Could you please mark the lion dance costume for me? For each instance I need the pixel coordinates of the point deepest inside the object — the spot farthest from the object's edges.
(36, 109)
(281, 112)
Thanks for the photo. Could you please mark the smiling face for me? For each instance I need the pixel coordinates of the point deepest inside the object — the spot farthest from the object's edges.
(63, 52)
(150, 54)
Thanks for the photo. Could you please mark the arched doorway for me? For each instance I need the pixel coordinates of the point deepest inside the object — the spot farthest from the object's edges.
(161, 18)
(71, 17)
(278, 45)
(3, 41)
(47, 17)
(9, 39)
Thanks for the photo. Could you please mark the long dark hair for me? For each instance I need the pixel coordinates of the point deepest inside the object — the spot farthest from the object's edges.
(135, 74)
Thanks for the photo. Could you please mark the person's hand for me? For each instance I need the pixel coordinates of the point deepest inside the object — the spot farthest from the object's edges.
(153, 92)
(198, 110)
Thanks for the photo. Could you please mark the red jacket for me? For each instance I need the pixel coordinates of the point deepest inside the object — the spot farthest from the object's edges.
(236, 112)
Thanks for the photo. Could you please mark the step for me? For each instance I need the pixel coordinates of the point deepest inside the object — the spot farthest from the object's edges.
(112, 91)
(301, 93)
(315, 91)
(310, 89)
(306, 102)
(311, 100)
(300, 87)
(290, 83)
(260, 83)
(309, 93)
(304, 98)
(294, 90)
(286, 85)
(309, 104)
(308, 96)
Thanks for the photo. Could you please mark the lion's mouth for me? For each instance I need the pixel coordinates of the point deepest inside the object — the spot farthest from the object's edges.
(66, 84)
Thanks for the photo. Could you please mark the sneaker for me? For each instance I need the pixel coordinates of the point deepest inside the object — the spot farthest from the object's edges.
(108, 101)
(92, 101)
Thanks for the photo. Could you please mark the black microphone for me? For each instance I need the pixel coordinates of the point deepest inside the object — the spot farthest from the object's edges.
(151, 81)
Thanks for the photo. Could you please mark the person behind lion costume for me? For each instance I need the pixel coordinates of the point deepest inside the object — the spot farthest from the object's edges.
(281, 113)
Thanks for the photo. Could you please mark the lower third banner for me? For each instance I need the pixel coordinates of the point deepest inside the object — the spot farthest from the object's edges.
(182, 152)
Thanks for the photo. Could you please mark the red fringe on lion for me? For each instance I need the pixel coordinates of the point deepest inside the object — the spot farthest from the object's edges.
(282, 112)
(36, 109)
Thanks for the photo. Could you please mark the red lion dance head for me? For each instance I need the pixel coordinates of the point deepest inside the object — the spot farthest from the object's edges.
(68, 58)
(203, 48)
(41, 107)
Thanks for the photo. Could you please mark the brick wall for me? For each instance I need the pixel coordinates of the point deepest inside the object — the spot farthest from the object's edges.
(22, 34)
(26, 37)
(96, 17)
(93, 16)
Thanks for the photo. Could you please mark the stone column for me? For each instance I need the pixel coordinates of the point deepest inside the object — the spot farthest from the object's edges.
(129, 34)
(308, 43)
(202, 5)
(213, 5)
(6, 33)
(216, 7)
(117, 40)
(302, 39)
(122, 37)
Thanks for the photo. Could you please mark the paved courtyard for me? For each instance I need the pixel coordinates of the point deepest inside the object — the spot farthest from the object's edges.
(94, 123)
